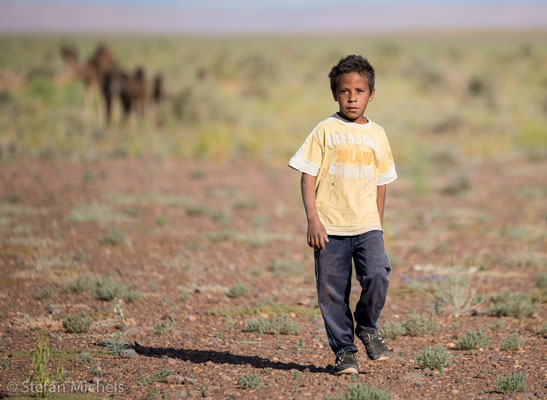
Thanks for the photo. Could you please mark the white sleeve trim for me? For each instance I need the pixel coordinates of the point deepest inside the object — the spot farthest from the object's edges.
(299, 163)
(387, 177)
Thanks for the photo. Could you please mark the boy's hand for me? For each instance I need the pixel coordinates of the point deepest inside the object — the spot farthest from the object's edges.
(317, 235)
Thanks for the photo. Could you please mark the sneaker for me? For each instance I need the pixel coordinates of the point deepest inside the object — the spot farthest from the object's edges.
(346, 363)
(374, 344)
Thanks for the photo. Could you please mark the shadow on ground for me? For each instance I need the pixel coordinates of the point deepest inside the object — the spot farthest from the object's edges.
(222, 357)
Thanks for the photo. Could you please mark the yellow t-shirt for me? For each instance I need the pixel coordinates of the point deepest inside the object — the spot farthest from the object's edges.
(349, 160)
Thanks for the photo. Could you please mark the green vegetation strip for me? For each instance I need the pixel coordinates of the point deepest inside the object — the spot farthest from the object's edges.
(57, 354)
(269, 309)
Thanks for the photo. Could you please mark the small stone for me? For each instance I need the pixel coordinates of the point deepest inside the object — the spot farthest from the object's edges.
(175, 379)
(413, 377)
(455, 391)
(460, 380)
(171, 361)
(96, 380)
(182, 395)
(128, 353)
(451, 345)
(191, 381)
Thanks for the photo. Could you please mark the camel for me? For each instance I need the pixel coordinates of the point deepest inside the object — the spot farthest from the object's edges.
(101, 71)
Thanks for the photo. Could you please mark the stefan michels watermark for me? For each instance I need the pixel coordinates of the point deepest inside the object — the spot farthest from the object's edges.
(65, 387)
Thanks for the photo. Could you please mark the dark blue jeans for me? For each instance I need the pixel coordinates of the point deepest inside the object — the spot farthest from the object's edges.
(333, 269)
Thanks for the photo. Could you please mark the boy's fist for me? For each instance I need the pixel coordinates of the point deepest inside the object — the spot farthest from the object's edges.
(317, 235)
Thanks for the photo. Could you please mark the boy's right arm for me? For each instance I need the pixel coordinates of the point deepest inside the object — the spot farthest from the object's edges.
(317, 235)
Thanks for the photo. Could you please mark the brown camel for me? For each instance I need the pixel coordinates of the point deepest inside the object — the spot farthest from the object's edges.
(101, 71)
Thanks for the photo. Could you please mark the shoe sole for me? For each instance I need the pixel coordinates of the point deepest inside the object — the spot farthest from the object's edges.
(382, 357)
(347, 371)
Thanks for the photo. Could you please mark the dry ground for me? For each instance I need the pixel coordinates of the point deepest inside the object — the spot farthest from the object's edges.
(185, 232)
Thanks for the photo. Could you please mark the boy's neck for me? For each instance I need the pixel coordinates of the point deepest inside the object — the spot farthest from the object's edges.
(361, 120)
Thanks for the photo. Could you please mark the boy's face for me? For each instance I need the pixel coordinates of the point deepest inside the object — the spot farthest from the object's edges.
(353, 95)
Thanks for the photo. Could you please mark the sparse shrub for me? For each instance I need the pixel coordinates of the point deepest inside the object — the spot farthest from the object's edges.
(512, 342)
(113, 237)
(47, 293)
(259, 326)
(40, 359)
(511, 383)
(362, 392)
(541, 281)
(114, 342)
(83, 283)
(457, 291)
(284, 267)
(162, 375)
(283, 325)
(518, 305)
(77, 323)
(392, 330)
(420, 325)
(473, 340)
(107, 289)
(144, 380)
(434, 358)
(84, 358)
(238, 289)
(132, 296)
(249, 381)
(164, 326)
(13, 198)
(542, 331)
(494, 326)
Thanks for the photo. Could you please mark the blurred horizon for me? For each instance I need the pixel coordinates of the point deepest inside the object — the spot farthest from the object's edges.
(268, 17)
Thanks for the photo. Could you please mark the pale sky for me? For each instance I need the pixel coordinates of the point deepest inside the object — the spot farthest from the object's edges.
(269, 16)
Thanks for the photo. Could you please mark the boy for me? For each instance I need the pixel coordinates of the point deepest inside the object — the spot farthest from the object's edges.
(346, 163)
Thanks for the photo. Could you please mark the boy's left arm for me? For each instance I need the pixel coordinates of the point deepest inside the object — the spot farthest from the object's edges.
(381, 201)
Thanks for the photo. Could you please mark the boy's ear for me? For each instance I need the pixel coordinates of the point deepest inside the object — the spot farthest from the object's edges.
(371, 95)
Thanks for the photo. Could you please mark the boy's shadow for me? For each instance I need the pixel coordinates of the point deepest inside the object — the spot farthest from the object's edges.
(221, 357)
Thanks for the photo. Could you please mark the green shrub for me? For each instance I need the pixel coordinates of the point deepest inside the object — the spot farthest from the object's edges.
(362, 392)
(131, 296)
(511, 383)
(392, 330)
(518, 305)
(107, 289)
(83, 283)
(113, 237)
(512, 342)
(421, 325)
(249, 381)
(84, 358)
(238, 289)
(541, 281)
(114, 342)
(164, 326)
(144, 380)
(473, 340)
(542, 331)
(77, 323)
(284, 267)
(47, 293)
(434, 358)
(494, 326)
(259, 326)
(162, 375)
(283, 325)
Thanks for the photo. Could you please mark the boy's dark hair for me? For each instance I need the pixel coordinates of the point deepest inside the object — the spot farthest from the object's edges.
(351, 63)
